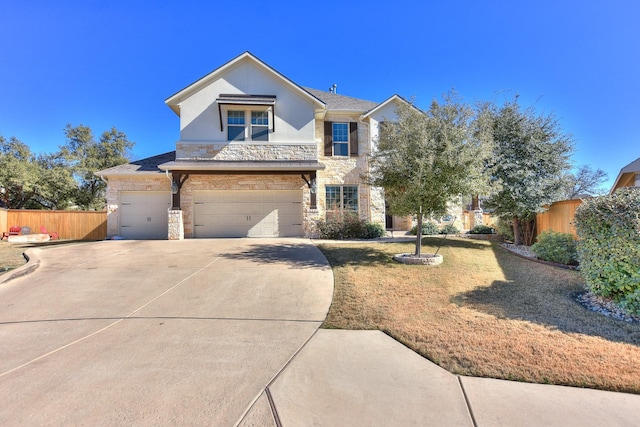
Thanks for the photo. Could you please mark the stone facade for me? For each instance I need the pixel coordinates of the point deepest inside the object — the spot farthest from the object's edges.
(350, 170)
(175, 225)
(236, 151)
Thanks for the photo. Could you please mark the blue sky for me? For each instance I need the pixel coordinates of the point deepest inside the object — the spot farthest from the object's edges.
(113, 63)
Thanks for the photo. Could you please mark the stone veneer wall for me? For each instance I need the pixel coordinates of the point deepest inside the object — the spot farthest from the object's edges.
(175, 225)
(239, 182)
(348, 171)
(152, 183)
(246, 151)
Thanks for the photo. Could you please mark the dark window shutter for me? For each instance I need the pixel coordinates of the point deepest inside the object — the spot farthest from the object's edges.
(328, 139)
(353, 138)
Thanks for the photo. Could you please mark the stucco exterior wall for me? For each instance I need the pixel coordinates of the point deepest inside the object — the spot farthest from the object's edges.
(200, 114)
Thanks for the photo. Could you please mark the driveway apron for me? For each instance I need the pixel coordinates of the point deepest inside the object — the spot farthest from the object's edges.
(156, 332)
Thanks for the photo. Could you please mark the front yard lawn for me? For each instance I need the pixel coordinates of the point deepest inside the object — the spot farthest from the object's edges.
(484, 312)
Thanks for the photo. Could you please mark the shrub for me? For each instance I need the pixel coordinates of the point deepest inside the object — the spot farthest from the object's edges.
(373, 230)
(556, 247)
(481, 229)
(505, 229)
(609, 246)
(348, 226)
(449, 229)
(428, 228)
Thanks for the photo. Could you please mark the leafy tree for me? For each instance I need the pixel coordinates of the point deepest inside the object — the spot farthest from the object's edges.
(531, 156)
(585, 182)
(85, 155)
(482, 139)
(30, 181)
(18, 173)
(422, 160)
(56, 186)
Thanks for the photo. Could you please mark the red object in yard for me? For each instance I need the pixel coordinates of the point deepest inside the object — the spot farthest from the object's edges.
(53, 235)
(13, 231)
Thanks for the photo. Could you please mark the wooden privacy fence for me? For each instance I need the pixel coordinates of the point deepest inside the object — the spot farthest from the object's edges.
(3, 220)
(559, 217)
(72, 225)
(467, 219)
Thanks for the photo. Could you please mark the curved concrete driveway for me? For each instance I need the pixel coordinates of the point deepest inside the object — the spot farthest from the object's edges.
(156, 332)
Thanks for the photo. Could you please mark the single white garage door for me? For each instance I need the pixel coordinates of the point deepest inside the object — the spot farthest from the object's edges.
(247, 213)
(143, 214)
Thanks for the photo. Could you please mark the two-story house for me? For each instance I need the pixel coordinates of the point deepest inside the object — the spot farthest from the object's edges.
(258, 156)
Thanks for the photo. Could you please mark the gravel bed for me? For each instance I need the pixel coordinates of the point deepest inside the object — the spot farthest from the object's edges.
(587, 299)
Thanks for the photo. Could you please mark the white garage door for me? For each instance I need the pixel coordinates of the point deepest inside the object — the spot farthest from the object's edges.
(228, 213)
(143, 214)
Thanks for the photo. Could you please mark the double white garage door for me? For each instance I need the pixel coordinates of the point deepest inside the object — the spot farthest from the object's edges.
(248, 213)
(220, 213)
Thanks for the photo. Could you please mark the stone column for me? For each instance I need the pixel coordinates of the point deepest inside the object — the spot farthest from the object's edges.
(477, 218)
(176, 227)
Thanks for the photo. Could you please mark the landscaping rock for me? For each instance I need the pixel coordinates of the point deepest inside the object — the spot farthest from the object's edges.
(423, 259)
(29, 238)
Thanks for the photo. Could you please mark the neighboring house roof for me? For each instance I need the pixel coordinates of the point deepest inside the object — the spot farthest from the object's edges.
(392, 99)
(174, 100)
(335, 102)
(627, 175)
(138, 167)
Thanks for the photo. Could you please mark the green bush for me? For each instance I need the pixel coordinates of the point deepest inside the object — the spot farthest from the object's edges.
(505, 229)
(348, 226)
(556, 247)
(428, 228)
(608, 230)
(481, 229)
(449, 229)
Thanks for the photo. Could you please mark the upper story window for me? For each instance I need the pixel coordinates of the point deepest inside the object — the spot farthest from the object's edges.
(260, 125)
(340, 133)
(235, 125)
(341, 139)
(237, 129)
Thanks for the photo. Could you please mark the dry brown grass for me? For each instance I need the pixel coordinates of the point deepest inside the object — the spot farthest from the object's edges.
(484, 312)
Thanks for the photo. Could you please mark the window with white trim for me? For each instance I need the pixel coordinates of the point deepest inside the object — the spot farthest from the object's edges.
(259, 125)
(340, 139)
(257, 130)
(235, 125)
(341, 198)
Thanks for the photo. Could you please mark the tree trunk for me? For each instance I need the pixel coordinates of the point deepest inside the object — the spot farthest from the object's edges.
(517, 240)
(475, 203)
(419, 234)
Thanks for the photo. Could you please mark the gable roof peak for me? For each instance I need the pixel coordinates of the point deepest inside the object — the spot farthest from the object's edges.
(174, 100)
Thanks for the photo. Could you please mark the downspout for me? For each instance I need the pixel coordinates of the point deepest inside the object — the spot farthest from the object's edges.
(166, 172)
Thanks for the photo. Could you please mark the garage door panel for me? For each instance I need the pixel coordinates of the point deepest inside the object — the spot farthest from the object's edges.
(249, 213)
(143, 214)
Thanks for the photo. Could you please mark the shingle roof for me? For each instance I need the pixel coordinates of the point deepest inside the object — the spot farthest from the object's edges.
(341, 102)
(148, 165)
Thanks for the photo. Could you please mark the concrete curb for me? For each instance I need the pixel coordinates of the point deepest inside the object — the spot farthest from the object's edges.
(33, 263)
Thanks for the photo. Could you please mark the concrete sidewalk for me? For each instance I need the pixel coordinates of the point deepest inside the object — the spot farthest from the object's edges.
(365, 378)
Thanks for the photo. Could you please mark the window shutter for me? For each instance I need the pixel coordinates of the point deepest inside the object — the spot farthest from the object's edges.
(328, 139)
(353, 138)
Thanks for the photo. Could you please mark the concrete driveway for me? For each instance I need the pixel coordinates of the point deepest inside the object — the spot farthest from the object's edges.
(156, 332)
